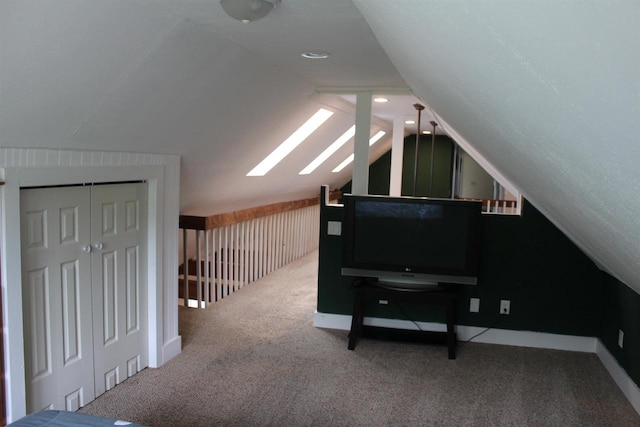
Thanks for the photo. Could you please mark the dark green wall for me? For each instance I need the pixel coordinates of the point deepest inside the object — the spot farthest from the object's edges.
(442, 164)
(553, 287)
(379, 171)
(334, 292)
(621, 311)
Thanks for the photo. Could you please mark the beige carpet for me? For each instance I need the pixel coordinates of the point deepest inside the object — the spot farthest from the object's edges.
(255, 359)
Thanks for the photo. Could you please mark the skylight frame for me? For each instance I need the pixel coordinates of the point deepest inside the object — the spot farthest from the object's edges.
(293, 141)
(375, 138)
(335, 146)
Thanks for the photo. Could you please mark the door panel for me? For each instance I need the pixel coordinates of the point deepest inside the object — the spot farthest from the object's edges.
(119, 282)
(56, 294)
(84, 291)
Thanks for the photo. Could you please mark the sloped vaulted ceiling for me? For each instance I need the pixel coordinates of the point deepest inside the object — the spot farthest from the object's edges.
(548, 92)
(182, 77)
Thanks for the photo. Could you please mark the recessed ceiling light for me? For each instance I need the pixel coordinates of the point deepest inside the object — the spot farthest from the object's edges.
(409, 122)
(315, 54)
(426, 132)
(380, 100)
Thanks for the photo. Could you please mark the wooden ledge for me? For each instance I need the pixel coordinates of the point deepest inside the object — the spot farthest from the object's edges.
(220, 220)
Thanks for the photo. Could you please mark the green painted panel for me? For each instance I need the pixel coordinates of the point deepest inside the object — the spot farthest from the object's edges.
(621, 311)
(553, 287)
(442, 164)
(380, 170)
(334, 290)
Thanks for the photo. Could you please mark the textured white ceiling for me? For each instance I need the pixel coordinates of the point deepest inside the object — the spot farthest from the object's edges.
(180, 76)
(547, 92)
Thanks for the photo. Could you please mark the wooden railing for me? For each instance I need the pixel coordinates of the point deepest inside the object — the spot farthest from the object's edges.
(233, 249)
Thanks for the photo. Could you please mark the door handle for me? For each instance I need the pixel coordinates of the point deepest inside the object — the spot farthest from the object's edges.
(86, 249)
(98, 246)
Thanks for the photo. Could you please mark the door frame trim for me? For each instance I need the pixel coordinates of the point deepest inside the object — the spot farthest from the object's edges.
(163, 211)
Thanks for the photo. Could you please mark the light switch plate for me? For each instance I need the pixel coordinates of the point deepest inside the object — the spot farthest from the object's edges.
(334, 228)
(474, 305)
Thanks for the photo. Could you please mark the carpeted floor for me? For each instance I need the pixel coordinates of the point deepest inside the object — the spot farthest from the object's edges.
(255, 359)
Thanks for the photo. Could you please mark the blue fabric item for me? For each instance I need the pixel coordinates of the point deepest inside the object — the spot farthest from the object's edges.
(67, 419)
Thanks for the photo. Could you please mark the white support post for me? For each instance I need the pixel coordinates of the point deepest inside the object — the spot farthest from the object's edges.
(198, 269)
(219, 264)
(277, 251)
(272, 244)
(259, 248)
(185, 267)
(225, 262)
(207, 266)
(251, 249)
(360, 178)
(397, 152)
(234, 257)
(243, 253)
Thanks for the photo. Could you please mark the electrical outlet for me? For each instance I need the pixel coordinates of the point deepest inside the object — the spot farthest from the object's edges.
(505, 306)
(474, 305)
(620, 338)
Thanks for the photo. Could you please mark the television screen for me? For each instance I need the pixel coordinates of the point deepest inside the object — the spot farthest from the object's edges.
(411, 241)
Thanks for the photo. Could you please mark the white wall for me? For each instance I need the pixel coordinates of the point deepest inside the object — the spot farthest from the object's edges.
(522, 83)
(43, 167)
(475, 182)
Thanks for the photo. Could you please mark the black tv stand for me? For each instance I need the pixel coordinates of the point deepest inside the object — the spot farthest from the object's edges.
(443, 296)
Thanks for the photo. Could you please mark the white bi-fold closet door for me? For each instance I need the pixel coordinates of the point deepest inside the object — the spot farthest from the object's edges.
(84, 291)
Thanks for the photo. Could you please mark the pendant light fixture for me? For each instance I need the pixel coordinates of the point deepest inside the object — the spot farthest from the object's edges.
(433, 146)
(247, 11)
(419, 108)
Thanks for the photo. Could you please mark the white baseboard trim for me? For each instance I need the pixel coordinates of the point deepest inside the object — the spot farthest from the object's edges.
(619, 375)
(528, 339)
(504, 337)
(332, 321)
(171, 349)
(491, 336)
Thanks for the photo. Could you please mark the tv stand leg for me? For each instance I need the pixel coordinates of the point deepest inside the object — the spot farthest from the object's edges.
(451, 333)
(357, 318)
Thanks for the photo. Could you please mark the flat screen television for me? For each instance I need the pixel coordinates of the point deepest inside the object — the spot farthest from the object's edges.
(411, 242)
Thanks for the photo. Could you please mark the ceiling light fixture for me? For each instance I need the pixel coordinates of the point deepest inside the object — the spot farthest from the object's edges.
(380, 100)
(409, 122)
(349, 159)
(290, 143)
(329, 151)
(248, 10)
(315, 54)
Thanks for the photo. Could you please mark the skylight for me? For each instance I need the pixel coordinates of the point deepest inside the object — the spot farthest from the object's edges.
(329, 151)
(349, 159)
(291, 143)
